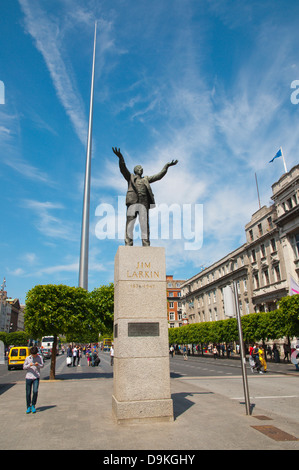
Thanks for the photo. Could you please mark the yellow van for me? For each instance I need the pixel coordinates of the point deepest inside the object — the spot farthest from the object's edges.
(17, 356)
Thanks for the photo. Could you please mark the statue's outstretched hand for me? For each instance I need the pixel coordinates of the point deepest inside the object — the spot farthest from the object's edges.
(173, 162)
(117, 152)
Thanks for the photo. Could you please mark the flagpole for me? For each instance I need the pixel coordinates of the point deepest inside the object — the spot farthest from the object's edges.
(83, 266)
(284, 162)
(257, 188)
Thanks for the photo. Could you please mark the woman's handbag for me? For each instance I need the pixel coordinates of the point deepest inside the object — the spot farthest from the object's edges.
(68, 360)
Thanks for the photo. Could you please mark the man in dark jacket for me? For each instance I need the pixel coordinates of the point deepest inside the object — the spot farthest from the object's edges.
(139, 198)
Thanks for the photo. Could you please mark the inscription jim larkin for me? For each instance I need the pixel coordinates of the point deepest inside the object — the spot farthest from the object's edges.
(143, 271)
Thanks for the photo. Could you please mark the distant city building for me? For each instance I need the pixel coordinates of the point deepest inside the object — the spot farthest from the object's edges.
(263, 267)
(11, 313)
(174, 303)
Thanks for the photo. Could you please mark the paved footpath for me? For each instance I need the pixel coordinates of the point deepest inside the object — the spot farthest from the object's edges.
(75, 414)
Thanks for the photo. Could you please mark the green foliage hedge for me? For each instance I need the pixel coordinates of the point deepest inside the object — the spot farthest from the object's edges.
(256, 326)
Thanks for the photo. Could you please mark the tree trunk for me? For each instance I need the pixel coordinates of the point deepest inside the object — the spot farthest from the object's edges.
(53, 359)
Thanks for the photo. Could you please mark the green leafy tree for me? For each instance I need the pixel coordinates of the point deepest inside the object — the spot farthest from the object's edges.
(103, 307)
(58, 309)
(289, 307)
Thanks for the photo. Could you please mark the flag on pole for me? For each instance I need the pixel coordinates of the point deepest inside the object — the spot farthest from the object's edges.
(294, 287)
(279, 154)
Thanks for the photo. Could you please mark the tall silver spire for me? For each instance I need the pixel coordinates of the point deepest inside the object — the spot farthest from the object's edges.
(83, 267)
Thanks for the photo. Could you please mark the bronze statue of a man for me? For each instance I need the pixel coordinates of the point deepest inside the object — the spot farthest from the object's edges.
(139, 198)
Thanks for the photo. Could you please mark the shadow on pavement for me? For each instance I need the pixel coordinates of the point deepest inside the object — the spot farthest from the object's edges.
(181, 402)
(81, 376)
(44, 408)
(5, 387)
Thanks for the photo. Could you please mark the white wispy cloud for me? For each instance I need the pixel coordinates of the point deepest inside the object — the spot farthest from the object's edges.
(48, 224)
(45, 32)
(10, 152)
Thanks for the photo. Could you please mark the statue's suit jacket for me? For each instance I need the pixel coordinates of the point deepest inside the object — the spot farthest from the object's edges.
(132, 195)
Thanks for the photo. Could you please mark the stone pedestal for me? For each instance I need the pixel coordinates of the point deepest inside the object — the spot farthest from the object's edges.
(141, 381)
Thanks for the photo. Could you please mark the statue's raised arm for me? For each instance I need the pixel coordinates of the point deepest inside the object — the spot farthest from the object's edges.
(172, 163)
(122, 166)
(117, 152)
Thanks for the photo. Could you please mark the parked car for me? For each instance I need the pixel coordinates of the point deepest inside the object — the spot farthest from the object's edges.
(17, 356)
(47, 353)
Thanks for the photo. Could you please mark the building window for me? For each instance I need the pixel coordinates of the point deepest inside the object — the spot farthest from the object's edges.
(260, 229)
(253, 257)
(215, 314)
(266, 277)
(277, 273)
(270, 223)
(263, 251)
(170, 294)
(296, 245)
(171, 316)
(170, 304)
(289, 203)
(256, 281)
(178, 284)
(251, 235)
(273, 244)
(214, 295)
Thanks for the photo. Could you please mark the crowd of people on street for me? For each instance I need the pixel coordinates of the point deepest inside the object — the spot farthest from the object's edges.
(75, 353)
(257, 353)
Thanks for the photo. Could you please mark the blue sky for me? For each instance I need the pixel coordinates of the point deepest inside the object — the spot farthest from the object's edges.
(206, 82)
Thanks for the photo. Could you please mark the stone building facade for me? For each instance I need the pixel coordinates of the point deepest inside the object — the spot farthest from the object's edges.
(174, 303)
(262, 267)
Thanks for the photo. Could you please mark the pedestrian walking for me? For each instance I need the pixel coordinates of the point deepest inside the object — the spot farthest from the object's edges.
(93, 357)
(255, 355)
(287, 351)
(32, 364)
(75, 351)
(276, 354)
(262, 358)
(111, 355)
(88, 355)
(185, 353)
(69, 356)
(215, 352)
(79, 354)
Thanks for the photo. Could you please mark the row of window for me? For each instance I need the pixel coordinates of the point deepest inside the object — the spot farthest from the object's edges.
(171, 304)
(261, 228)
(259, 279)
(264, 277)
(289, 203)
(263, 250)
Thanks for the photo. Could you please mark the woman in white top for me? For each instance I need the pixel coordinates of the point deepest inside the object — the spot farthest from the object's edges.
(32, 364)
